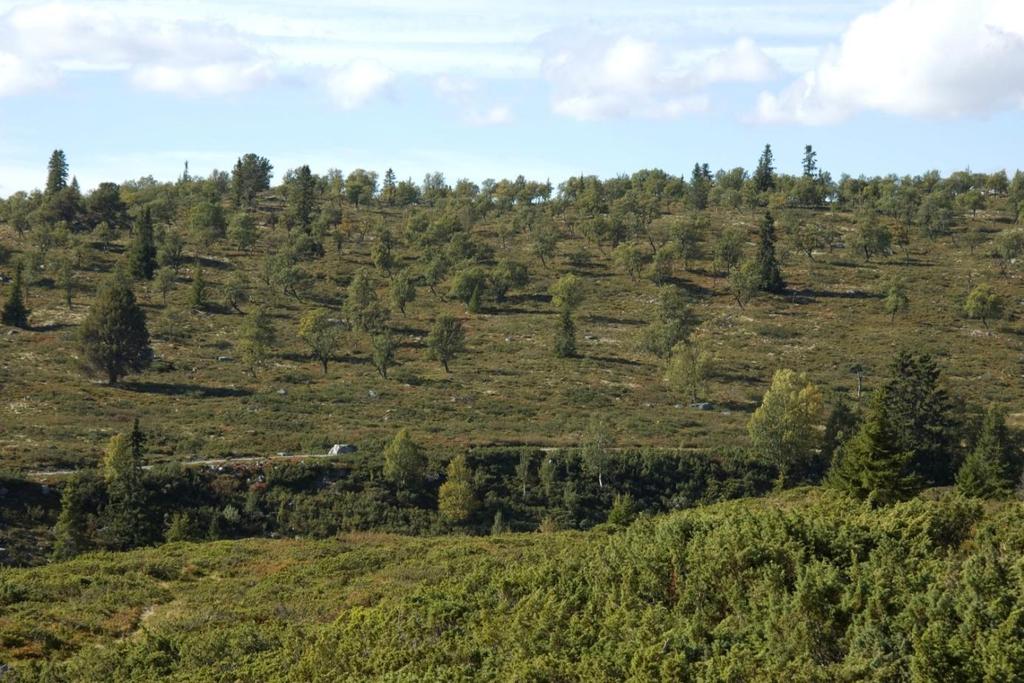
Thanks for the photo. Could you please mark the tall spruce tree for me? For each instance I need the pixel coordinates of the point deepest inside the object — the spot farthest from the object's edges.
(142, 251)
(301, 197)
(767, 265)
(123, 522)
(921, 414)
(15, 313)
(871, 466)
(113, 338)
(987, 471)
(810, 162)
(764, 174)
(70, 534)
(57, 172)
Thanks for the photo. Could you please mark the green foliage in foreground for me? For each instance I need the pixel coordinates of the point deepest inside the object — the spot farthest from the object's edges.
(807, 587)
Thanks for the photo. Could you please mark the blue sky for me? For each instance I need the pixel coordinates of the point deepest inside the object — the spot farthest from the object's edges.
(484, 89)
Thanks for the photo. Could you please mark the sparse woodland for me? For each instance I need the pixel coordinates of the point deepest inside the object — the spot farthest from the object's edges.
(606, 364)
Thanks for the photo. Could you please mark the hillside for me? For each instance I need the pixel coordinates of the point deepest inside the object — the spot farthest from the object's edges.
(806, 586)
(198, 400)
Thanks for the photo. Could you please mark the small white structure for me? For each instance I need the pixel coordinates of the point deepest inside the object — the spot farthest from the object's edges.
(339, 448)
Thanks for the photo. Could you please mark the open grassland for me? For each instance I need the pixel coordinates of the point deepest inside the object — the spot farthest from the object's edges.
(198, 400)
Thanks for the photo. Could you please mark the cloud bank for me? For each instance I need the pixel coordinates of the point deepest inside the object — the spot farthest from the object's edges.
(927, 58)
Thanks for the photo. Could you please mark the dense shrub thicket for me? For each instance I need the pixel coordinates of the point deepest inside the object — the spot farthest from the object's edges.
(807, 587)
(516, 488)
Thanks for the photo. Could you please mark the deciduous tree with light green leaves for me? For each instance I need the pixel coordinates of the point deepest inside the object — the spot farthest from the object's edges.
(384, 347)
(362, 306)
(896, 299)
(688, 369)
(322, 334)
(404, 461)
(785, 428)
(744, 282)
(629, 259)
(403, 290)
(568, 292)
(984, 303)
(257, 340)
(456, 500)
(595, 449)
(446, 340)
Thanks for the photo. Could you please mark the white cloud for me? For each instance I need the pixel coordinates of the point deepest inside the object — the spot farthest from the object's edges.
(167, 55)
(600, 78)
(937, 58)
(497, 115)
(743, 62)
(357, 83)
(18, 76)
(207, 79)
(465, 93)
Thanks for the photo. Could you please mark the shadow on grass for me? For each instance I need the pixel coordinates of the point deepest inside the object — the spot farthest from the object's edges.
(512, 310)
(347, 359)
(409, 331)
(736, 378)
(735, 406)
(523, 298)
(179, 389)
(798, 294)
(608, 320)
(51, 327)
(215, 264)
(611, 359)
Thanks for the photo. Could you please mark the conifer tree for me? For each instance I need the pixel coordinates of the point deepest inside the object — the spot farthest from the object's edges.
(113, 337)
(198, 298)
(767, 265)
(301, 197)
(15, 313)
(871, 466)
(565, 335)
(66, 278)
(921, 414)
(123, 520)
(142, 251)
(840, 427)
(57, 172)
(764, 174)
(986, 472)
(70, 536)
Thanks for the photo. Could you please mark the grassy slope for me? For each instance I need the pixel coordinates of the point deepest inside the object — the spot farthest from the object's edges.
(803, 586)
(509, 386)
